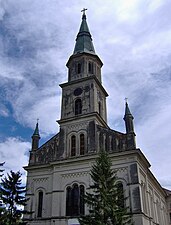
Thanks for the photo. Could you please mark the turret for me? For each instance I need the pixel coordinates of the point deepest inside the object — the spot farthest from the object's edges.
(128, 118)
(35, 138)
(35, 144)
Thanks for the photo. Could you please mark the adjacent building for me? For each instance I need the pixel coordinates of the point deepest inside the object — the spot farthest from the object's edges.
(58, 171)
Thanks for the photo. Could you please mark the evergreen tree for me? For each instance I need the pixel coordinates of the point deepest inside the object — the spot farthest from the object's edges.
(1, 170)
(13, 196)
(2, 205)
(105, 200)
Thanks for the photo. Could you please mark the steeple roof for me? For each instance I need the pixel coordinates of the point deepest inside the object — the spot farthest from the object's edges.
(84, 41)
(36, 131)
(127, 111)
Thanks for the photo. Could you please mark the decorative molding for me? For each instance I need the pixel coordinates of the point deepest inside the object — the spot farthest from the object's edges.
(77, 126)
(39, 180)
(122, 169)
(77, 174)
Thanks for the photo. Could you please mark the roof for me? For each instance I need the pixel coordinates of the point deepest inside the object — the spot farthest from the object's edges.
(36, 131)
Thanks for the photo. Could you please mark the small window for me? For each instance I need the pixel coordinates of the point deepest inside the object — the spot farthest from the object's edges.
(82, 144)
(100, 108)
(73, 145)
(79, 68)
(90, 67)
(78, 106)
(40, 204)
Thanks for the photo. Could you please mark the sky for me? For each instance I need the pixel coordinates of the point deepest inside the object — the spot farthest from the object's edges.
(132, 38)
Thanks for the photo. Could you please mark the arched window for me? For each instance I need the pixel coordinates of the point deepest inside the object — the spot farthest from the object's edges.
(121, 198)
(78, 106)
(90, 67)
(75, 200)
(40, 204)
(82, 144)
(73, 145)
(78, 68)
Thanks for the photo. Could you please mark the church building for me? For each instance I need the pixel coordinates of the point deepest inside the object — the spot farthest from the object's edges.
(58, 172)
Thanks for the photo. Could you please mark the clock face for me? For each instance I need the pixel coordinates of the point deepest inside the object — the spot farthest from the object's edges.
(78, 91)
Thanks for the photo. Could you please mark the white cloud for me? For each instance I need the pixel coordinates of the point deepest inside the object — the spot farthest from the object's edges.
(14, 152)
(154, 5)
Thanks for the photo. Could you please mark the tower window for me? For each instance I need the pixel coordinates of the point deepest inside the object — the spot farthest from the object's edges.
(73, 145)
(75, 200)
(90, 67)
(78, 106)
(79, 68)
(40, 204)
(82, 144)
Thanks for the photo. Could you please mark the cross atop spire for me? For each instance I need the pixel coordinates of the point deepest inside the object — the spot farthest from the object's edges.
(83, 10)
(84, 15)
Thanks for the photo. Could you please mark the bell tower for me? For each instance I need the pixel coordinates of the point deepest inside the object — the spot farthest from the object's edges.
(83, 96)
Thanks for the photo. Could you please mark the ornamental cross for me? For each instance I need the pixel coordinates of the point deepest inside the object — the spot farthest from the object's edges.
(37, 120)
(83, 10)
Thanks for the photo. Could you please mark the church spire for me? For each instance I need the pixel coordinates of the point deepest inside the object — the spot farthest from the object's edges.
(128, 119)
(84, 41)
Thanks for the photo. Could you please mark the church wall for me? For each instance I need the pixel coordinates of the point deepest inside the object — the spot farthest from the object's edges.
(152, 197)
(54, 179)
